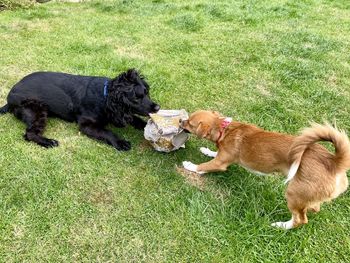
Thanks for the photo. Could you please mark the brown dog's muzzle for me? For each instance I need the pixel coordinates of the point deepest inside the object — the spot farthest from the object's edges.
(183, 124)
(181, 121)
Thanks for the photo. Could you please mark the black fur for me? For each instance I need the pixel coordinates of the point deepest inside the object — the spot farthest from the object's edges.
(4, 109)
(81, 99)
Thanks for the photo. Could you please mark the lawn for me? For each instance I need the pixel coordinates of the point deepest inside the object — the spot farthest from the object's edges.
(275, 63)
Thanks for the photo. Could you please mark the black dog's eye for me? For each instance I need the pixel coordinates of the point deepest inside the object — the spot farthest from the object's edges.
(130, 94)
(140, 92)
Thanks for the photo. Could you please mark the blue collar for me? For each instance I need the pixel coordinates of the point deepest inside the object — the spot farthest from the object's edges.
(105, 89)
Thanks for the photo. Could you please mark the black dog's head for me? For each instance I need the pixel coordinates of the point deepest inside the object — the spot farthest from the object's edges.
(131, 92)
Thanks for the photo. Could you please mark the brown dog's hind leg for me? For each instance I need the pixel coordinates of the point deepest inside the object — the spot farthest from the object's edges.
(315, 208)
(298, 218)
(297, 207)
(34, 114)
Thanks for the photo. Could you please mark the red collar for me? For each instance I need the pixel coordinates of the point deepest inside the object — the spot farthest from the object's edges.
(225, 122)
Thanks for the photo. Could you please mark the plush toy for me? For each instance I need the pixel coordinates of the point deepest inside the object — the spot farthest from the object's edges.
(163, 130)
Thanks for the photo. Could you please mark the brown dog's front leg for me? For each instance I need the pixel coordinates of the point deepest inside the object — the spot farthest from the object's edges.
(214, 165)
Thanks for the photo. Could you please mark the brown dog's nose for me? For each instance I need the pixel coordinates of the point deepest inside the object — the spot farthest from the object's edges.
(181, 122)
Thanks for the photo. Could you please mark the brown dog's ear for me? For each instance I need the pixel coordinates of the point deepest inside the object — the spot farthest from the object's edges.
(216, 113)
(203, 130)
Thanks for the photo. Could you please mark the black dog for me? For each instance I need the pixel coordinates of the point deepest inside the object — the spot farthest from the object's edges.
(92, 102)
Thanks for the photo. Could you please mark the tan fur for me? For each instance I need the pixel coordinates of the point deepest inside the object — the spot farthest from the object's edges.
(320, 175)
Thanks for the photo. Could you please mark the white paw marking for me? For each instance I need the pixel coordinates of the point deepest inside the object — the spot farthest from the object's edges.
(285, 225)
(191, 167)
(208, 152)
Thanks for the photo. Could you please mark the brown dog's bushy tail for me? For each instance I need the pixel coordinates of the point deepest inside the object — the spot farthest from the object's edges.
(4, 109)
(316, 133)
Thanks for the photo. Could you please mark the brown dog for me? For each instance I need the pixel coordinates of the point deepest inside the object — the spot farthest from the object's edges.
(314, 175)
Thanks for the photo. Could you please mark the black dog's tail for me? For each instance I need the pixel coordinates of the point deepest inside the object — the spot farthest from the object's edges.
(4, 109)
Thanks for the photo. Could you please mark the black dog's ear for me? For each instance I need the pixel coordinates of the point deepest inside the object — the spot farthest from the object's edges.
(132, 74)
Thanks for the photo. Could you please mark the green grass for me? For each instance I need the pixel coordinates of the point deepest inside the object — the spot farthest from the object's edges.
(277, 64)
(12, 4)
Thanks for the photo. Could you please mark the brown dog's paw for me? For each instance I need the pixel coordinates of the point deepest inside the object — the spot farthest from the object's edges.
(189, 166)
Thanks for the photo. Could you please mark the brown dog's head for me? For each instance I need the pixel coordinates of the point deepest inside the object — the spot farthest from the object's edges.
(204, 124)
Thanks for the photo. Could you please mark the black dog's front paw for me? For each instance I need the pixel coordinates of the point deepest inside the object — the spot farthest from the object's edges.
(50, 143)
(42, 141)
(123, 145)
(138, 123)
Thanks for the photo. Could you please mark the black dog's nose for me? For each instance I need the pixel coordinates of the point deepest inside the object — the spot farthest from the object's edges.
(156, 107)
